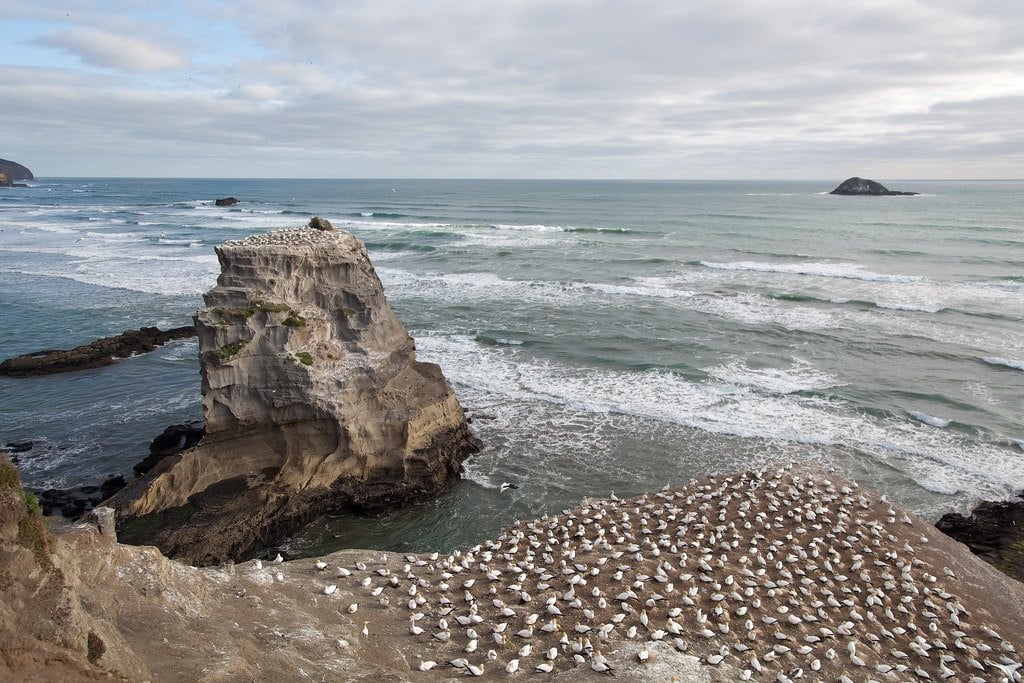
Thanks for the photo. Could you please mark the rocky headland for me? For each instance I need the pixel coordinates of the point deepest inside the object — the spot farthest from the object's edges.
(863, 186)
(314, 403)
(11, 173)
(771, 574)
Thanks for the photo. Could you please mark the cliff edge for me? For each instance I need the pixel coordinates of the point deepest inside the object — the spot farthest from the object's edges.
(314, 403)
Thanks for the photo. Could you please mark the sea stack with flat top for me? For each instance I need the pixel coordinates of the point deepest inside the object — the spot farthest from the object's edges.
(314, 403)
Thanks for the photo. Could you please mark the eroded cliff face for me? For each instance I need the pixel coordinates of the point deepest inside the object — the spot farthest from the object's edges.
(314, 402)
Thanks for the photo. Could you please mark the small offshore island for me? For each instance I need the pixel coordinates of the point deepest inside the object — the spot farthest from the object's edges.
(314, 402)
(862, 186)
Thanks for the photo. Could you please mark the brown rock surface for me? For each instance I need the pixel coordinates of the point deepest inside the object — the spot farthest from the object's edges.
(795, 552)
(314, 403)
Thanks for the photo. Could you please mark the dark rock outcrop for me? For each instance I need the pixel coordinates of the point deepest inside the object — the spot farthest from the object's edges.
(15, 170)
(226, 201)
(863, 186)
(318, 223)
(74, 502)
(94, 354)
(994, 532)
(314, 404)
(170, 442)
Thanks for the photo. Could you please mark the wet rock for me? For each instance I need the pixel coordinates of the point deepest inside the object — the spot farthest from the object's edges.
(94, 354)
(994, 531)
(226, 201)
(171, 441)
(74, 502)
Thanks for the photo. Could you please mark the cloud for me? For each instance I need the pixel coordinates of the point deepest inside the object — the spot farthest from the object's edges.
(114, 51)
(666, 88)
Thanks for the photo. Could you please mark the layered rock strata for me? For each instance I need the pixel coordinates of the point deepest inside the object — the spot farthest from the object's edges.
(314, 403)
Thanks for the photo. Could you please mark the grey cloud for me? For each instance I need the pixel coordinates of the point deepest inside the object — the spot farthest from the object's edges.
(554, 88)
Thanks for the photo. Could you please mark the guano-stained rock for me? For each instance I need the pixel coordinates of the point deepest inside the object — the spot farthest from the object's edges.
(314, 403)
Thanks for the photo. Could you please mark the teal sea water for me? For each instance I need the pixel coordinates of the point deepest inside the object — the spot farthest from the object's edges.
(604, 336)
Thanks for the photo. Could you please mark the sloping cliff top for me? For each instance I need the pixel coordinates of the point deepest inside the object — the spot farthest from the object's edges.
(752, 575)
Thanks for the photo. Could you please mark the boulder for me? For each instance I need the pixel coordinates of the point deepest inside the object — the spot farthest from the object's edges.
(226, 201)
(314, 403)
(15, 170)
(862, 186)
(94, 354)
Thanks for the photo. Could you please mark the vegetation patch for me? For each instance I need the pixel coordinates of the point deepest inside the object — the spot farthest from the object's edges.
(228, 350)
(94, 647)
(304, 357)
(348, 311)
(32, 533)
(8, 477)
(295, 320)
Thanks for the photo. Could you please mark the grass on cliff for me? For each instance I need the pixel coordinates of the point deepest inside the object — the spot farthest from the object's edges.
(228, 350)
(304, 357)
(32, 533)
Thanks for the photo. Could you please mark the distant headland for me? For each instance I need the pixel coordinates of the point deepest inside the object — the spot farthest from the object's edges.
(858, 186)
(12, 172)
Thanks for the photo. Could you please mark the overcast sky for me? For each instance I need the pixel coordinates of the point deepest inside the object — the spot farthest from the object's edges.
(523, 88)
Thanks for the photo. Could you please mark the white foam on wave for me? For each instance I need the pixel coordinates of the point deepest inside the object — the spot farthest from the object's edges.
(930, 420)
(1005, 362)
(749, 308)
(910, 308)
(846, 271)
(190, 243)
(167, 276)
(529, 228)
(941, 459)
(801, 375)
(474, 286)
(631, 290)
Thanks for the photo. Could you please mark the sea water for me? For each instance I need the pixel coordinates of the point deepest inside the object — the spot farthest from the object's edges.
(603, 335)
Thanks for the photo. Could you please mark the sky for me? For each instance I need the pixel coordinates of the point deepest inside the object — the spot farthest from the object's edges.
(885, 89)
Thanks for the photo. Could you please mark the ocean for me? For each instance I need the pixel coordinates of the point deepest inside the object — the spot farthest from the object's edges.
(604, 336)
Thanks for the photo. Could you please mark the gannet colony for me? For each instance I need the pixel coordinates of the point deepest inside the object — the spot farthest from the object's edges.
(777, 575)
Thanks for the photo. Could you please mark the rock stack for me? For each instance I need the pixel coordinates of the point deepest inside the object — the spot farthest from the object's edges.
(314, 403)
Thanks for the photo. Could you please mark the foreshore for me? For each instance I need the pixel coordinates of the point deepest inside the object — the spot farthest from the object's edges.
(759, 575)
